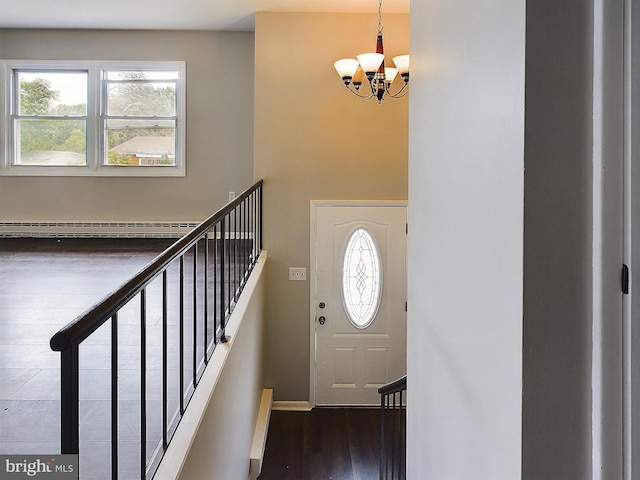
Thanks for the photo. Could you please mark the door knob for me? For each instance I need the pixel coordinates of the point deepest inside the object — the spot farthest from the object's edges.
(321, 319)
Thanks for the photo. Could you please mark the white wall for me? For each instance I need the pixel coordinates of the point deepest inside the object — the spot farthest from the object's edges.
(466, 144)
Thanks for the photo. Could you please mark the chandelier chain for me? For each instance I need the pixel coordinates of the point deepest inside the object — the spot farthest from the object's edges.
(380, 17)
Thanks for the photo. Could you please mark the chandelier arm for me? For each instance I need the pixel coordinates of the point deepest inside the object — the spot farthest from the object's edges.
(399, 93)
(357, 94)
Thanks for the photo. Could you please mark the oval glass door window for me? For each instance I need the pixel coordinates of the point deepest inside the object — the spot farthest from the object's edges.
(361, 279)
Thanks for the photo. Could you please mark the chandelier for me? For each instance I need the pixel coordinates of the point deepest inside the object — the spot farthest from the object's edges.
(370, 66)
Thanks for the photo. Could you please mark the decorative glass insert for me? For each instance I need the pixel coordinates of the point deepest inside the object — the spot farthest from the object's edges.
(361, 279)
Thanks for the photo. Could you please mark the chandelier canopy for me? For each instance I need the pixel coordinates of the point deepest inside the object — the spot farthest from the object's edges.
(370, 66)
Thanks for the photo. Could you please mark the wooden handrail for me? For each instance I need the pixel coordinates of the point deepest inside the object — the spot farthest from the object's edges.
(92, 319)
(394, 387)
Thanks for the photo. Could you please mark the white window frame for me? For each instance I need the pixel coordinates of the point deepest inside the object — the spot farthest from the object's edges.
(96, 165)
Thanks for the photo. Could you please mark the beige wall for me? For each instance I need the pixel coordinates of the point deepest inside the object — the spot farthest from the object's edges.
(219, 128)
(313, 140)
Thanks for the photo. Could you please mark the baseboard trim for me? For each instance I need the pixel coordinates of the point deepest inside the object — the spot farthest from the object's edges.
(294, 406)
(260, 434)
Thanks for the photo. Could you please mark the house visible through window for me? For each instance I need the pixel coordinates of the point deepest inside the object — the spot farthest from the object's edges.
(93, 118)
(140, 117)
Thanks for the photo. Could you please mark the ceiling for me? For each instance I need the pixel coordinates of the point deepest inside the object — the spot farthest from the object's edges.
(169, 14)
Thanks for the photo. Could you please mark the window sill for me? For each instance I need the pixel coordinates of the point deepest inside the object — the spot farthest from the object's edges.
(110, 171)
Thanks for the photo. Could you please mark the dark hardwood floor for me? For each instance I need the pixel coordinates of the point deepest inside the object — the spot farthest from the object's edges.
(46, 283)
(323, 444)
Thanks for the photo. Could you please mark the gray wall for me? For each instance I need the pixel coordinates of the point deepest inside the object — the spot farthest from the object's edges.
(557, 253)
(632, 181)
(219, 127)
(572, 334)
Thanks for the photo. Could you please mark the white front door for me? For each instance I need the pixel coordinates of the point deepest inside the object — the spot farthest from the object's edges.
(358, 300)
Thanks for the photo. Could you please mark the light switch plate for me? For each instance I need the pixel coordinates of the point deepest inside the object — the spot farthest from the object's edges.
(297, 273)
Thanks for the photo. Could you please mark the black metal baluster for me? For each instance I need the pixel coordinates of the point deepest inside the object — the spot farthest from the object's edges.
(241, 264)
(255, 226)
(195, 315)
(181, 387)
(114, 396)
(244, 250)
(216, 278)
(165, 403)
(394, 412)
(143, 384)
(383, 450)
(260, 219)
(223, 338)
(205, 295)
(402, 444)
(229, 272)
(247, 241)
(252, 227)
(70, 399)
(236, 249)
(238, 256)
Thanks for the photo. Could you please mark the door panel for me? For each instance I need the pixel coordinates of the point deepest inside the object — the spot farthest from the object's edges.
(351, 362)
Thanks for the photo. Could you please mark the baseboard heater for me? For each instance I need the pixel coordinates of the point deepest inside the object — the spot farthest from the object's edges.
(96, 229)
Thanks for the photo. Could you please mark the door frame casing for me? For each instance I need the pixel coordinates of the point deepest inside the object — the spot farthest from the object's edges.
(313, 223)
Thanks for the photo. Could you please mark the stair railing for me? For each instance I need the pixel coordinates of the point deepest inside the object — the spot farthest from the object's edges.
(199, 279)
(393, 429)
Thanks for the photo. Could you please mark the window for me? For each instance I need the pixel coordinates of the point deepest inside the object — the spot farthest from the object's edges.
(93, 118)
(361, 279)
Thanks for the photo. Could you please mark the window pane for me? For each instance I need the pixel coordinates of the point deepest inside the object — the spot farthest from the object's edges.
(51, 142)
(139, 143)
(57, 93)
(142, 98)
